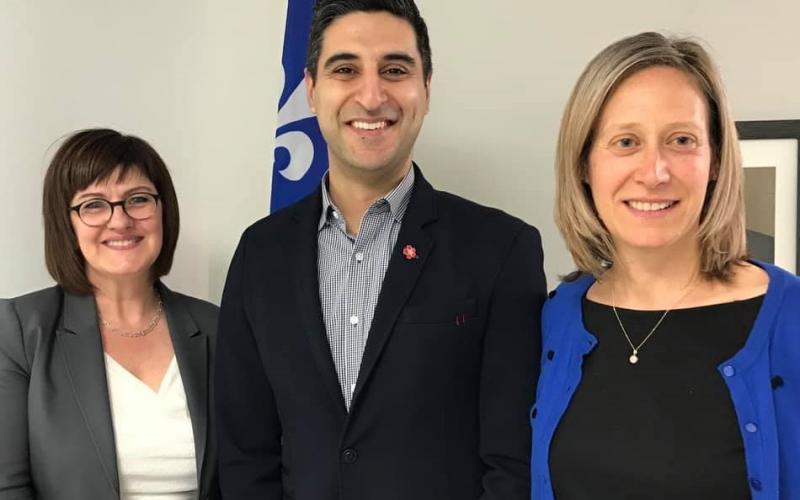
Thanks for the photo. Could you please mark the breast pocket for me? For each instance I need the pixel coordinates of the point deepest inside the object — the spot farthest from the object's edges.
(457, 313)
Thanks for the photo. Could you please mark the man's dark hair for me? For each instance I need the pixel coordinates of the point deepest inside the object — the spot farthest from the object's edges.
(327, 11)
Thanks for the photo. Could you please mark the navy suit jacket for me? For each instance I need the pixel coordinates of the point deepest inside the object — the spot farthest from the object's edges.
(440, 409)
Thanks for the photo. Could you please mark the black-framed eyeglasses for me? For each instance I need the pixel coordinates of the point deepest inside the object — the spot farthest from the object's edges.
(97, 211)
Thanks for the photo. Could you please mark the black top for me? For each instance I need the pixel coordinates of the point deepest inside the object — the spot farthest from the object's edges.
(664, 428)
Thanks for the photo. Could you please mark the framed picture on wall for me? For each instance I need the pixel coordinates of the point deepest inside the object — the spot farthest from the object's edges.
(771, 159)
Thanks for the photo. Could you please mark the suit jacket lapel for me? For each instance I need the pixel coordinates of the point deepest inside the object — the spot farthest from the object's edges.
(401, 275)
(191, 352)
(307, 214)
(79, 338)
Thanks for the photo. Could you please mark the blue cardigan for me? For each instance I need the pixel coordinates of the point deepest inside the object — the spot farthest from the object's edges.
(763, 379)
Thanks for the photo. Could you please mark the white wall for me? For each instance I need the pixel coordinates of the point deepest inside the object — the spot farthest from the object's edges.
(200, 81)
(197, 79)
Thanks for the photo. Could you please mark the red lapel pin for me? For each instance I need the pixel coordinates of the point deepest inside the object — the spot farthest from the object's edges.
(410, 253)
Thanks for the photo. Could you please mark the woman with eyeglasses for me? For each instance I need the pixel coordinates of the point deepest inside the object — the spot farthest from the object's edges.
(104, 378)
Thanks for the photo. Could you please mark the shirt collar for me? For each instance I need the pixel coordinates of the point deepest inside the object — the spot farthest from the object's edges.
(397, 198)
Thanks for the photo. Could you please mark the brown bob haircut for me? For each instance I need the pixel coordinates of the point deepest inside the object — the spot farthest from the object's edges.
(90, 156)
(721, 232)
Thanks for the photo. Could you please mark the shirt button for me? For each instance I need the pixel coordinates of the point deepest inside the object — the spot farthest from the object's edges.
(353, 320)
(751, 427)
(728, 371)
(349, 456)
(335, 214)
(359, 257)
(755, 484)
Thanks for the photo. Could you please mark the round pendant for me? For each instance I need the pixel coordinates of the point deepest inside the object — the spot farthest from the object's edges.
(633, 359)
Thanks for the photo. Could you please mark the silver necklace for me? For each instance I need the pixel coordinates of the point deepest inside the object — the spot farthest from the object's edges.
(151, 325)
(634, 357)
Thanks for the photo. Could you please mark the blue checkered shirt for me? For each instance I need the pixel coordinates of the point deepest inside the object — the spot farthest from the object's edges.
(351, 270)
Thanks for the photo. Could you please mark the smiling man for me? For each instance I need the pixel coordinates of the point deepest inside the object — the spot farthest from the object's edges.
(379, 340)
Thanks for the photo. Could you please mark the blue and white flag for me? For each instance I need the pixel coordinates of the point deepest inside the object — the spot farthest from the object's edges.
(301, 156)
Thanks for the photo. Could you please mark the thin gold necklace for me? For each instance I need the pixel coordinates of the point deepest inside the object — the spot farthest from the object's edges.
(634, 357)
(151, 325)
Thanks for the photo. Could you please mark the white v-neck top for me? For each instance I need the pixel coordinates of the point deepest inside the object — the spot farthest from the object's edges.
(153, 434)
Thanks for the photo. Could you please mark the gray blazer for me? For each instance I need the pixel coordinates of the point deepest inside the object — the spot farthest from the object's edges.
(56, 434)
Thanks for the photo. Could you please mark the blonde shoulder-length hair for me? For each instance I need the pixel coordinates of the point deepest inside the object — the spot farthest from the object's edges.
(721, 233)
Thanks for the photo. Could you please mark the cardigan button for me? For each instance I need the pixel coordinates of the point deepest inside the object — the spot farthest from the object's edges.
(550, 355)
(551, 294)
(751, 427)
(755, 484)
(777, 381)
(534, 412)
(729, 371)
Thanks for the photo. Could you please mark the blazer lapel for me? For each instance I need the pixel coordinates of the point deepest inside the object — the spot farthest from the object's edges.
(79, 338)
(307, 293)
(191, 352)
(401, 275)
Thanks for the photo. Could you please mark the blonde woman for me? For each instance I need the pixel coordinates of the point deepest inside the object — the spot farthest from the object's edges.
(670, 361)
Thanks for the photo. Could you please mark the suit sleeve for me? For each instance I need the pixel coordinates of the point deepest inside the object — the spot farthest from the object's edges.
(15, 476)
(248, 427)
(510, 369)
